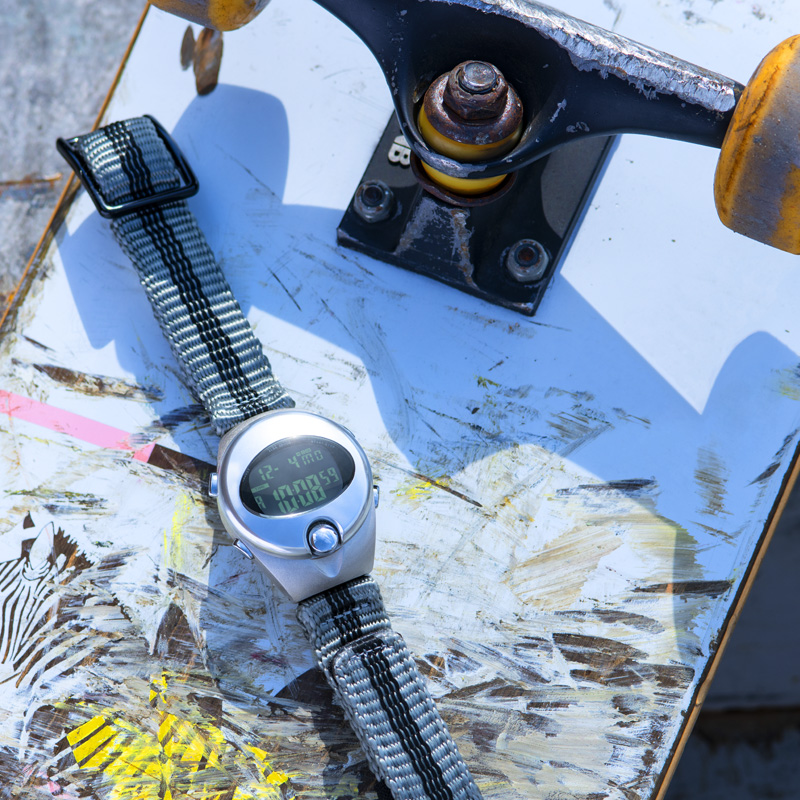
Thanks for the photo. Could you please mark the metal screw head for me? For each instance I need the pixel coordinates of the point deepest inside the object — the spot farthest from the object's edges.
(478, 77)
(527, 261)
(374, 201)
(323, 539)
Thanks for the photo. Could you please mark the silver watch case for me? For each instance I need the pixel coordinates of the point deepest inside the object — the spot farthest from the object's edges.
(280, 544)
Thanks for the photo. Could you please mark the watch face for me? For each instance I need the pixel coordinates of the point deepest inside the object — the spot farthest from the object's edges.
(296, 475)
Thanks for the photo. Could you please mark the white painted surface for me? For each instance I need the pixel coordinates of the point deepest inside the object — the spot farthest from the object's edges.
(565, 617)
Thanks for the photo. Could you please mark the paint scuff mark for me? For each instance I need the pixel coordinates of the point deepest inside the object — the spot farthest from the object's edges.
(779, 456)
(420, 489)
(97, 385)
(705, 588)
(181, 463)
(577, 427)
(787, 382)
(712, 477)
(630, 486)
(617, 8)
(64, 502)
(767, 473)
(626, 417)
(171, 420)
(614, 617)
(612, 663)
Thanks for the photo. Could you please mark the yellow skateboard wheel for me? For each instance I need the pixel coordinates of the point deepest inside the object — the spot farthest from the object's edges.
(757, 185)
(222, 15)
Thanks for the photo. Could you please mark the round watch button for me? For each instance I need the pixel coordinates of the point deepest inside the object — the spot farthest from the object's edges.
(323, 538)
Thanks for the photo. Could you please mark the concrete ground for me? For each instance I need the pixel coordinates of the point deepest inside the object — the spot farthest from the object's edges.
(57, 60)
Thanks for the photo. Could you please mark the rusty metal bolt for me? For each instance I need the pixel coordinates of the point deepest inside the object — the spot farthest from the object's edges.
(527, 261)
(476, 90)
(473, 104)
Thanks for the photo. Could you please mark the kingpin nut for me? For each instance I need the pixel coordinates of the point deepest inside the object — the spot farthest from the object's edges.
(473, 104)
(476, 90)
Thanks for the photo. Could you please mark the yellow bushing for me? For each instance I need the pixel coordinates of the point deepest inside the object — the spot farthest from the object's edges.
(470, 114)
(467, 153)
(222, 15)
(757, 185)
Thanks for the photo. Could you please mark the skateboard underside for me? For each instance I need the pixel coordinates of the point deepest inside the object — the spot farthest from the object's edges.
(570, 506)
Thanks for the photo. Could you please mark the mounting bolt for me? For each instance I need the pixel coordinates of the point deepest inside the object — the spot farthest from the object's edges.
(527, 261)
(374, 201)
(323, 539)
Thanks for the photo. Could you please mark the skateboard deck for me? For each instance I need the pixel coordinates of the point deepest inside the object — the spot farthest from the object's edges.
(572, 505)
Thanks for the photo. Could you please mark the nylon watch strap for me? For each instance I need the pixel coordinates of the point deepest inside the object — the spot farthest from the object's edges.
(130, 162)
(383, 695)
(136, 175)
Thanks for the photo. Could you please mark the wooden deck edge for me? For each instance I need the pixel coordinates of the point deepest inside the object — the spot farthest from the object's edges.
(704, 684)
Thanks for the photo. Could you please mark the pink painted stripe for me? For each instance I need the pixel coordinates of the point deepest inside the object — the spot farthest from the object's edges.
(56, 419)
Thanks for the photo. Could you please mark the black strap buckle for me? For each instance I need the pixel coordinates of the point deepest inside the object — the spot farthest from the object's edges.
(188, 188)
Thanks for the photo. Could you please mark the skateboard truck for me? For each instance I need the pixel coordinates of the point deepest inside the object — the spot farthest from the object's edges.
(501, 171)
(578, 86)
(500, 238)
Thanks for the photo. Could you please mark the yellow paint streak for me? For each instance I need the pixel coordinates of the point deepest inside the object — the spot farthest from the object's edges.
(277, 778)
(84, 730)
(165, 726)
(194, 751)
(788, 384)
(419, 490)
(174, 543)
(105, 738)
(186, 758)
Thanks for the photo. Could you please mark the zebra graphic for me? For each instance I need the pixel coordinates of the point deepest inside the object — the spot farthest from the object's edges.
(34, 601)
(53, 612)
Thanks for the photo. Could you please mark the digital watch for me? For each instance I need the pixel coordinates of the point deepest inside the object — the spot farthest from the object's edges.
(294, 490)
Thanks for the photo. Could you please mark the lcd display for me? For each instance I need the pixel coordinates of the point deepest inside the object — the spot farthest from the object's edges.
(296, 475)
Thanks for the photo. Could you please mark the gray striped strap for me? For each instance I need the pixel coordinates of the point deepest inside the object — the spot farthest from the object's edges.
(220, 355)
(384, 697)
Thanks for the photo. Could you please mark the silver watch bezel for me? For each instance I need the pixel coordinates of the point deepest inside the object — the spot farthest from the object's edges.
(286, 537)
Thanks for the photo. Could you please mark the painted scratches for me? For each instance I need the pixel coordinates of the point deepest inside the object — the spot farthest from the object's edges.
(97, 385)
(421, 485)
(697, 588)
(168, 757)
(712, 477)
(611, 663)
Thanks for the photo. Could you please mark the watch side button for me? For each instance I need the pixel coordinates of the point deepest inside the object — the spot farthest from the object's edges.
(213, 484)
(243, 548)
(376, 495)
